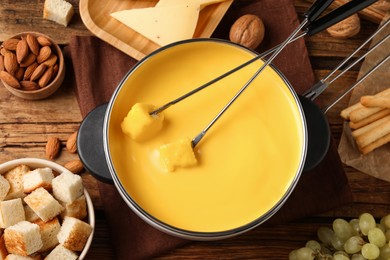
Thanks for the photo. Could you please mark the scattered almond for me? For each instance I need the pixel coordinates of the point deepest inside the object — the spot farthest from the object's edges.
(75, 166)
(33, 43)
(71, 143)
(44, 54)
(9, 79)
(22, 50)
(10, 44)
(53, 146)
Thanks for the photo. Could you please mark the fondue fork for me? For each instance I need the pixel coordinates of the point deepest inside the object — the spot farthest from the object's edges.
(315, 26)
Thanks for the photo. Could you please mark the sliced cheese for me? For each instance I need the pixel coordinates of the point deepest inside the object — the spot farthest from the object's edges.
(202, 3)
(164, 24)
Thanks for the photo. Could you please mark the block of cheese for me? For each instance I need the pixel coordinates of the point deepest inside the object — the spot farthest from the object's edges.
(202, 3)
(162, 25)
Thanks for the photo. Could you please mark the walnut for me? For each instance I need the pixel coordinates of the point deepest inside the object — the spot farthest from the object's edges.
(346, 28)
(248, 30)
(383, 5)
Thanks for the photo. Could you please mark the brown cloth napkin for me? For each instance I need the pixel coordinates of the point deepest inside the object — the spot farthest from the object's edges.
(98, 68)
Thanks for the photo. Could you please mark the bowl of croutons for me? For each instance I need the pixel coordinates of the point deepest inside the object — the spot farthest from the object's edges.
(45, 211)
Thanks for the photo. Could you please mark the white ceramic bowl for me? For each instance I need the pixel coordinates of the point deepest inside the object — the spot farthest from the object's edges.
(38, 163)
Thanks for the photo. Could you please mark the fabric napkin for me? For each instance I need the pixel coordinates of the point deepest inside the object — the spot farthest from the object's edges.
(98, 67)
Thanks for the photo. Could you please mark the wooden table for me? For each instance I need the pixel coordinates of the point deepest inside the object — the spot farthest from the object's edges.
(25, 126)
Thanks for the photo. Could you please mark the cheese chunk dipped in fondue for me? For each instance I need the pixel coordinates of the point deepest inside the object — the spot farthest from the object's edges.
(139, 125)
(247, 164)
(177, 154)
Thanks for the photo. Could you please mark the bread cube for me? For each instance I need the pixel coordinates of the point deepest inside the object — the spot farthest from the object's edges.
(59, 11)
(4, 187)
(30, 214)
(19, 257)
(60, 252)
(74, 233)
(67, 187)
(11, 212)
(3, 249)
(49, 231)
(43, 204)
(40, 177)
(76, 209)
(14, 177)
(23, 238)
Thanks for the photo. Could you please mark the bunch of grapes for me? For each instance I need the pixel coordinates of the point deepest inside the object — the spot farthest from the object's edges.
(358, 239)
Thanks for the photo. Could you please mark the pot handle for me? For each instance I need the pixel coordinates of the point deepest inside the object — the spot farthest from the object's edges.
(337, 15)
(90, 147)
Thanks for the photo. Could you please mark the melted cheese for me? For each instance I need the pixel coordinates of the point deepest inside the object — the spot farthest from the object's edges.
(247, 162)
(164, 24)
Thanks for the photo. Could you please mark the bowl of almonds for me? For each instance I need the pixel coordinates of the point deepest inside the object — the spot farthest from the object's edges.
(31, 65)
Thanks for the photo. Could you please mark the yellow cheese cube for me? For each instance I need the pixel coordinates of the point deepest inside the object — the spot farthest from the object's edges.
(139, 124)
(177, 154)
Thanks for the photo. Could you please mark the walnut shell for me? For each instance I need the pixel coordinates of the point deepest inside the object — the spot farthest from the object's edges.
(383, 5)
(346, 28)
(248, 30)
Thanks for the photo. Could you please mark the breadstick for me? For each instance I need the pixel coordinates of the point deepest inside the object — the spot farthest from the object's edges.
(361, 113)
(379, 142)
(368, 127)
(374, 134)
(368, 120)
(375, 101)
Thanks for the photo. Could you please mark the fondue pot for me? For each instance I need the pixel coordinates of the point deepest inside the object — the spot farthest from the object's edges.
(248, 165)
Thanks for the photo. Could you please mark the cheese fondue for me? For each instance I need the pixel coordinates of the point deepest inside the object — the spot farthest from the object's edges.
(248, 162)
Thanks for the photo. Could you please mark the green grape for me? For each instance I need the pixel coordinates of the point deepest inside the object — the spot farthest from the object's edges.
(337, 242)
(357, 257)
(342, 229)
(325, 250)
(377, 237)
(387, 234)
(381, 227)
(386, 221)
(314, 245)
(305, 253)
(355, 225)
(366, 222)
(340, 255)
(370, 251)
(353, 244)
(384, 253)
(293, 255)
(325, 235)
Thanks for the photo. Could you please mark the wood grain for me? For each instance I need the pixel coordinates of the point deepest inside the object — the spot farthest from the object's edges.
(96, 17)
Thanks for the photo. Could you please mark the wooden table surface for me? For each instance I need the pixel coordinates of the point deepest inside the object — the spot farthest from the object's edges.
(25, 126)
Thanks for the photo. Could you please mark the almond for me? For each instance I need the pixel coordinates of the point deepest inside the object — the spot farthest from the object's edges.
(2, 63)
(44, 54)
(28, 85)
(3, 51)
(29, 71)
(71, 143)
(9, 79)
(43, 41)
(10, 63)
(22, 50)
(53, 146)
(75, 166)
(51, 60)
(30, 59)
(32, 43)
(55, 70)
(38, 72)
(46, 77)
(19, 73)
(10, 44)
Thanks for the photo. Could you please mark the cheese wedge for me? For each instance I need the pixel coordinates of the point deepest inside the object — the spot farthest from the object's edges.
(202, 3)
(164, 24)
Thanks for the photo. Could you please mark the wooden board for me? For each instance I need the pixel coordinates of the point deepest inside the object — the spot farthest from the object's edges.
(96, 17)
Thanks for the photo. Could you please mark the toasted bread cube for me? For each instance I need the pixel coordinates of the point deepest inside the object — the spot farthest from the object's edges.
(49, 231)
(40, 177)
(15, 179)
(3, 249)
(67, 187)
(76, 209)
(74, 233)
(43, 204)
(11, 212)
(30, 214)
(23, 238)
(4, 187)
(60, 252)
